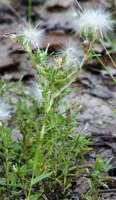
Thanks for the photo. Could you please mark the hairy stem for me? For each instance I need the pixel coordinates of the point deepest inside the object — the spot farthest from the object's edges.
(99, 59)
(110, 57)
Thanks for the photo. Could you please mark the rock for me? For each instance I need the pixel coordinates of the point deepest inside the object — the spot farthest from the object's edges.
(8, 62)
(110, 72)
(101, 92)
(82, 185)
(61, 4)
(108, 196)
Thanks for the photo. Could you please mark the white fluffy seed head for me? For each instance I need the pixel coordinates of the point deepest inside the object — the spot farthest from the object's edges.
(31, 35)
(35, 90)
(73, 54)
(97, 22)
(5, 111)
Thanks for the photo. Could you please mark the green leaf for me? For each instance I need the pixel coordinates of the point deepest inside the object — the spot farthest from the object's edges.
(2, 181)
(40, 178)
(36, 196)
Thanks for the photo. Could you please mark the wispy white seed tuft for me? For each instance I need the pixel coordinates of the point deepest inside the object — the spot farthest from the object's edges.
(68, 103)
(63, 106)
(97, 22)
(73, 54)
(5, 111)
(16, 135)
(31, 35)
(34, 89)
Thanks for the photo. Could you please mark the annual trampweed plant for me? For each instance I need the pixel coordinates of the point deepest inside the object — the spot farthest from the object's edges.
(41, 151)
